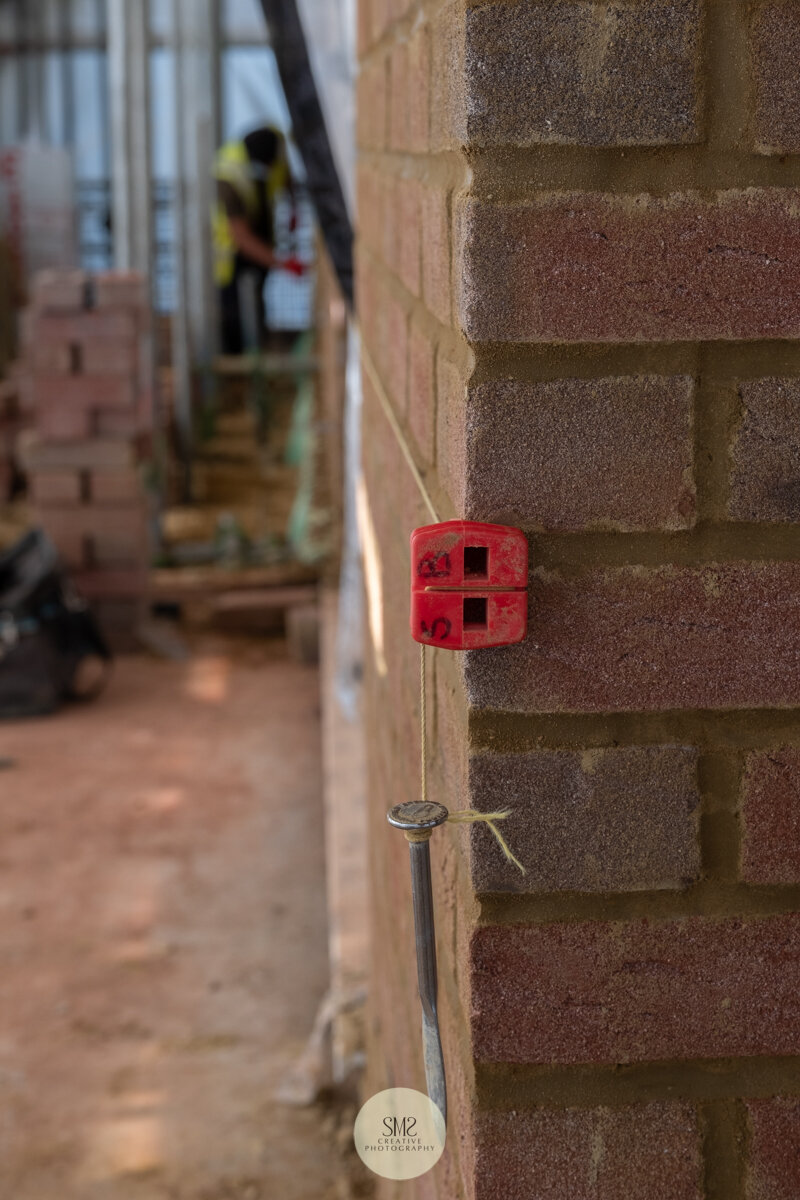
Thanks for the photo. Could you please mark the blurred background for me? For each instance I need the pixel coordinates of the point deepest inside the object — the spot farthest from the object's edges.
(182, 907)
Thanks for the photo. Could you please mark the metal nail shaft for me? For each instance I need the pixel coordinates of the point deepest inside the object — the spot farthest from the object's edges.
(418, 820)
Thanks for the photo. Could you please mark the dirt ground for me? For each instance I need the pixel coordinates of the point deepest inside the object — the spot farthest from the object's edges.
(163, 935)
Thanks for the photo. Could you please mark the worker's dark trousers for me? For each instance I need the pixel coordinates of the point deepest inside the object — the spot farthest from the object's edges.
(241, 311)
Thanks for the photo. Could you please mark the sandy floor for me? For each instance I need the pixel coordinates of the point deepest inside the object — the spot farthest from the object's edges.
(163, 936)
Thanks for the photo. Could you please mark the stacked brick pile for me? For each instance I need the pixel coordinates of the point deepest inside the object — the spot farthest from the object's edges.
(86, 346)
(579, 282)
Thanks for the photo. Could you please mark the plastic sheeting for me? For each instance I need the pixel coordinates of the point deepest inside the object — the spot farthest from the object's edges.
(350, 633)
(314, 45)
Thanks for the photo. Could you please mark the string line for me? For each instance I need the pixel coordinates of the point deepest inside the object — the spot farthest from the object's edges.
(423, 721)
(468, 815)
(472, 816)
(386, 405)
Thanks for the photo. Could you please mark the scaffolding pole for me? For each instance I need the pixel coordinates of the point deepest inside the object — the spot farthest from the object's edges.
(198, 80)
(129, 93)
(181, 353)
(196, 49)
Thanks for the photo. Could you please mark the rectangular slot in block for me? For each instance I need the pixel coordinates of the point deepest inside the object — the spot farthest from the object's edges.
(476, 562)
(474, 612)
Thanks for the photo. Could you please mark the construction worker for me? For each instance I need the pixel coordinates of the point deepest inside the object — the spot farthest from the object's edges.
(249, 176)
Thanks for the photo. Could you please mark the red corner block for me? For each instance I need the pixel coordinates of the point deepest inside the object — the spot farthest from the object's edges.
(468, 584)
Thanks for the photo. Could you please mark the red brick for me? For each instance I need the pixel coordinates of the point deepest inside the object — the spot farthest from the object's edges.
(451, 453)
(399, 8)
(646, 1152)
(390, 221)
(116, 423)
(419, 65)
(113, 584)
(582, 454)
(371, 102)
(630, 638)
(421, 394)
(364, 26)
(400, 652)
(456, 1172)
(771, 817)
(449, 754)
(97, 356)
(69, 538)
(119, 536)
(607, 820)
(111, 356)
(38, 455)
(380, 17)
(8, 401)
(365, 101)
(55, 290)
(121, 289)
(25, 396)
(765, 472)
(383, 465)
(82, 327)
(436, 288)
(59, 422)
(371, 226)
(595, 268)
(774, 1152)
(90, 535)
(447, 99)
(638, 992)
(393, 348)
(410, 231)
(775, 51)
(55, 487)
(115, 487)
(25, 330)
(580, 74)
(367, 191)
(84, 391)
(147, 367)
(367, 292)
(399, 97)
(51, 358)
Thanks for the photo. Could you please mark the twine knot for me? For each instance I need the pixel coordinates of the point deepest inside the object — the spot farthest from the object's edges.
(471, 816)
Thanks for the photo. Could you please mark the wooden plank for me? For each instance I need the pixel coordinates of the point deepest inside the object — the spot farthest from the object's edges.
(254, 599)
(173, 584)
(269, 365)
(36, 454)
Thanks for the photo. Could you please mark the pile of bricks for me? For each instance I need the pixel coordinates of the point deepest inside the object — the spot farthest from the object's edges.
(86, 344)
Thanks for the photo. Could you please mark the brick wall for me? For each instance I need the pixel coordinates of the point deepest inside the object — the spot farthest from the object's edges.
(579, 282)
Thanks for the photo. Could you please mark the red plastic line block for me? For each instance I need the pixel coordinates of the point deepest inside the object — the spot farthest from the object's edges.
(468, 585)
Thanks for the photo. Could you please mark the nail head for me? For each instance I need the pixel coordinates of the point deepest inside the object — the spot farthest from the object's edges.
(417, 814)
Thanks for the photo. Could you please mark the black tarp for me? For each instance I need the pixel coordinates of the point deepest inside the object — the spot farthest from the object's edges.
(311, 136)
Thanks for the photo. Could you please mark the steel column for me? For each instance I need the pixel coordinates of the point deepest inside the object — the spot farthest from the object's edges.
(198, 120)
(129, 93)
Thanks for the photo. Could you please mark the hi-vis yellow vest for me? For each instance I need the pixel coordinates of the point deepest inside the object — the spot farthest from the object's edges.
(233, 166)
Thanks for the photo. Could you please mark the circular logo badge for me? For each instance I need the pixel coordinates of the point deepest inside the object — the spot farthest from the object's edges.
(399, 1133)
